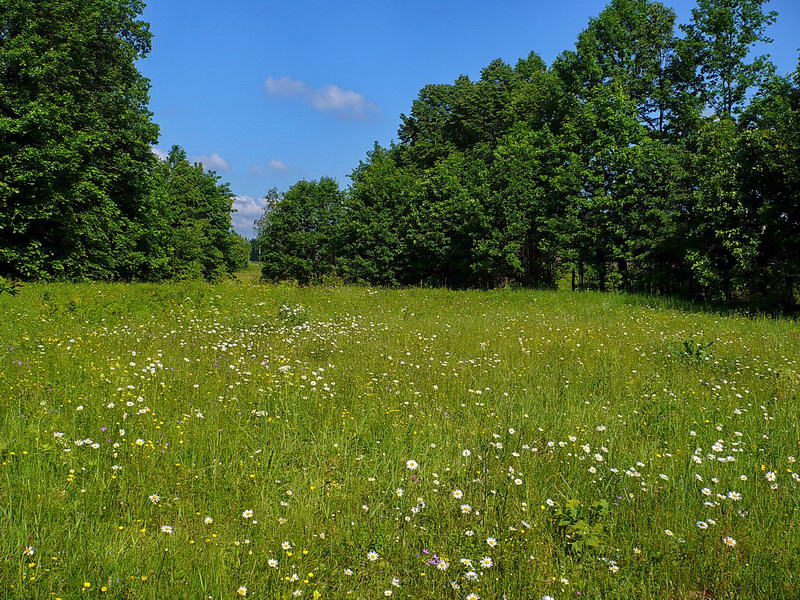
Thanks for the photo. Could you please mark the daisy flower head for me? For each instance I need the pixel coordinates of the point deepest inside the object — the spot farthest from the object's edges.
(466, 508)
(458, 494)
(286, 545)
(472, 596)
(729, 541)
(465, 453)
(372, 555)
(492, 542)
(167, 529)
(412, 464)
(486, 562)
(242, 591)
(247, 514)
(28, 551)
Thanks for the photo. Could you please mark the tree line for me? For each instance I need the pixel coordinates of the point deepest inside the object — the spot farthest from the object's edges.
(652, 157)
(82, 196)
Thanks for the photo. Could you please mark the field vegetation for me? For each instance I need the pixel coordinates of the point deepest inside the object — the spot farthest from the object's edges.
(218, 441)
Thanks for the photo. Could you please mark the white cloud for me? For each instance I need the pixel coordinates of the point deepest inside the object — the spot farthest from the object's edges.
(346, 104)
(275, 165)
(278, 165)
(286, 87)
(248, 210)
(213, 162)
(161, 154)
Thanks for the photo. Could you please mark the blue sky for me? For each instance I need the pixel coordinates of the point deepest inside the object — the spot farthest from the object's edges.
(267, 93)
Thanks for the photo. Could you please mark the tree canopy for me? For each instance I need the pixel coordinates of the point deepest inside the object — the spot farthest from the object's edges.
(650, 157)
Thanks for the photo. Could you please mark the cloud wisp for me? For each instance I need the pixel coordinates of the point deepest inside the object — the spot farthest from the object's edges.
(259, 169)
(213, 162)
(345, 104)
(161, 154)
(248, 210)
(278, 165)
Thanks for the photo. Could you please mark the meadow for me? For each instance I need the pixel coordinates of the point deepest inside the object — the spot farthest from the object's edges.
(243, 440)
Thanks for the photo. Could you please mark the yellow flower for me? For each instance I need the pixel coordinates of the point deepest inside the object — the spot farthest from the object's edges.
(87, 585)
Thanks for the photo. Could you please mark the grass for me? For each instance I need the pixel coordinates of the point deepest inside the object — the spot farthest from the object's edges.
(580, 445)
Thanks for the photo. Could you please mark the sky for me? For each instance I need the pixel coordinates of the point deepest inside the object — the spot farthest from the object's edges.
(267, 92)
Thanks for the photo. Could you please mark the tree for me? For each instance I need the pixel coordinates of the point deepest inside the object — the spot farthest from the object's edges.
(769, 150)
(299, 231)
(630, 44)
(718, 41)
(376, 219)
(75, 137)
(194, 217)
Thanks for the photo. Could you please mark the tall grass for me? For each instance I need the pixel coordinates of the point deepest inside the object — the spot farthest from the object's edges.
(198, 441)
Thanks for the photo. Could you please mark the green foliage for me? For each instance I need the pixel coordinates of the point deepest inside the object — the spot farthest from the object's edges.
(75, 137)
(632, 163)
(192, 223)
(582, 527)
(696, 352)
(9, 286)
(299, 233)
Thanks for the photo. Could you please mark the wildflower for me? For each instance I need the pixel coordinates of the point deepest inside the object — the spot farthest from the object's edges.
(399, 492)
(28, 551)
(471, 576)
(272, 563)
(729, 541)
(167, 529)
(286, 545)
(208, 520)
(412, 464)
(248, 514)
(771, 476)
(465, 453)
(242, 591)
(458, 494)
(472, 596)
(491, 541)
(486, 562)
(668, 532)
(466, 508)
(154, 498)
(702, 525)
(372, 555)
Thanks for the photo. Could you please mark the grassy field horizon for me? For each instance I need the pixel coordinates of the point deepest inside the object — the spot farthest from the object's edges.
(219, 441)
